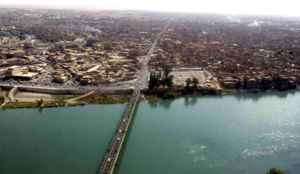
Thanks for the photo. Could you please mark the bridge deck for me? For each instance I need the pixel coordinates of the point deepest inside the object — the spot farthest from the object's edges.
(116, 143)
(115, 146)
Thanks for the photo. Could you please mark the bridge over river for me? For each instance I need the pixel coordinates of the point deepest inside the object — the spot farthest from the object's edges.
(113, 151)
(115, 146)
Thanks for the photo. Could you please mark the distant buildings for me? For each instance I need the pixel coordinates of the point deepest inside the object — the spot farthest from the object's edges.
(53, 47)
(240, 55)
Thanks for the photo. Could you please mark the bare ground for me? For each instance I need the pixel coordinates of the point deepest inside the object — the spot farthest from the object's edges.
(33, 97)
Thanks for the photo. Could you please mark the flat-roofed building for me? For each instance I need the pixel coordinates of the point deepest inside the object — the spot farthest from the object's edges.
(16, 72)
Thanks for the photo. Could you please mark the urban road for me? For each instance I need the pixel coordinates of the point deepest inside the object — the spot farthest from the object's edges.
(140, 83)
(115, 146)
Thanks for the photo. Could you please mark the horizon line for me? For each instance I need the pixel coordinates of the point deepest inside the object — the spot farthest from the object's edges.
(90, 8)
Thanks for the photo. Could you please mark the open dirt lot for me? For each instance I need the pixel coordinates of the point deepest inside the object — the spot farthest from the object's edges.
(32, 97)
(206, 79)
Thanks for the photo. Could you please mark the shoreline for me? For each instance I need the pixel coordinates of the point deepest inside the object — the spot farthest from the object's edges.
(37, 97)
(64, 97)
(20, 105)
(226, 92)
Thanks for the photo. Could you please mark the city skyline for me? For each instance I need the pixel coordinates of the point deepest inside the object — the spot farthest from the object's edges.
(255, 7)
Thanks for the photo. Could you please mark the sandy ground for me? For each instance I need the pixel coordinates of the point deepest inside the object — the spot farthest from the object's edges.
(32, 97)
(206, 79)
(3, 93)
(74, 100)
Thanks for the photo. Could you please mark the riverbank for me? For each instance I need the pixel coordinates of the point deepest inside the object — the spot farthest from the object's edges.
(29, 97)
(174, 93)
(62, 100)
(63, 103)
(25, 97)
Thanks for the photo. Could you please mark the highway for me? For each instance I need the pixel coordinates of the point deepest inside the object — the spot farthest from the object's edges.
(142, 81)
(113, 151)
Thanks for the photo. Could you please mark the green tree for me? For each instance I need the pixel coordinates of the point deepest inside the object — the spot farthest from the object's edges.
(40, 102)
(167, 70)
(275, 171)
(157, 80)
(195, 82)
(167, 79)
(188, 83)
(154, 81)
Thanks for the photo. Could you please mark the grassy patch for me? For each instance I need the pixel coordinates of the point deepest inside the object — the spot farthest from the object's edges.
(50, 104)
(105, 99)
(59, 103)
(60, 100)
(19, 105)
(64, 97)
(152, 97)
(62, 104)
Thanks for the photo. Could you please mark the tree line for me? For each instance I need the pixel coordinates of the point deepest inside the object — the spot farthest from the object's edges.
(164, 79)
(161, 79)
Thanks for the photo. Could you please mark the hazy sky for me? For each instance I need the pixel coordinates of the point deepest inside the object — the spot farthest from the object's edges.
(270, 7)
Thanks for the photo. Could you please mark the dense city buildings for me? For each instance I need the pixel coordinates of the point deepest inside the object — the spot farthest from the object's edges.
(52, 47)
(251, 53)
(75, 48)
(68, 57)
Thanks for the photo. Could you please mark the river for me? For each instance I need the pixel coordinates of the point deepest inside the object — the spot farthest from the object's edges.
(56, 140)
(234, 134)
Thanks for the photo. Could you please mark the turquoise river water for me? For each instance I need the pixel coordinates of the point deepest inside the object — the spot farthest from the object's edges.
(235, 134)
(68, 140)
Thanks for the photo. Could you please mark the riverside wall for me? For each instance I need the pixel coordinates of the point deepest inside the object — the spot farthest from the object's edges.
(66, 91)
